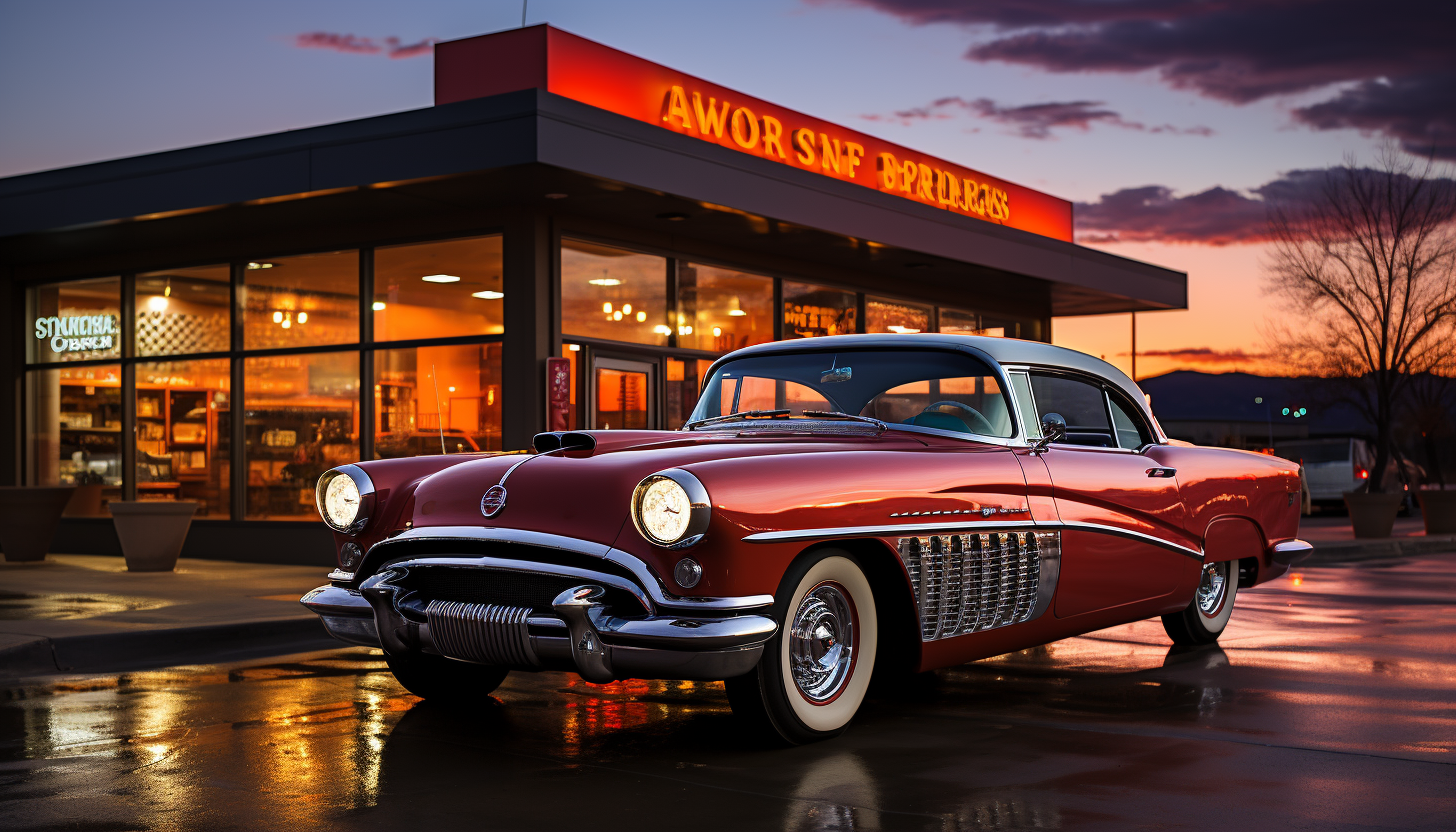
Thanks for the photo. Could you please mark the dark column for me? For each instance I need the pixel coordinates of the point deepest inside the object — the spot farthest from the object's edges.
(12, 375)
(527, 283)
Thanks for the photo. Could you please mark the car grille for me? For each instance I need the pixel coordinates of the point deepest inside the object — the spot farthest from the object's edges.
(532, 591)
(485, 633)
(967, 583)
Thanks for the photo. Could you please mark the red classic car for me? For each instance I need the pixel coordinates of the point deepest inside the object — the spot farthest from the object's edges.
(837, 508)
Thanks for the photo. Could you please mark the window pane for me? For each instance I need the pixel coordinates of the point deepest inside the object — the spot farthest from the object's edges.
(893, 316)
(723, 310)
(811, 310)
(75, 321)
(424, 395)
(613, 293)
(301, 417)
(1010, 327)
(959, 321)
(73, 432)
(1030, 422)
(438, 290)
(621, 399)
(1128, 434)
(183, 427)
(1080, 403)
(301, 301)
(684, 380)
(182, 311)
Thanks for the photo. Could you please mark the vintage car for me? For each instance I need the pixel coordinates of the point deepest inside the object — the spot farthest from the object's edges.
(837, 508)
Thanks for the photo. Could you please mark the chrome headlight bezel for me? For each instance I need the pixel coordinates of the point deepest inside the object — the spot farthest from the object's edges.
(699, 513)
(366, 498)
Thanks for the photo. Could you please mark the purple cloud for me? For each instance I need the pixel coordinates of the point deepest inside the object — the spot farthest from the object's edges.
(1034, 121)
(1398, 58)
(391, 46)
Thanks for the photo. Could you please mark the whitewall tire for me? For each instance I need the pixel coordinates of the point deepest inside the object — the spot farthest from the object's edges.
(1206, 616)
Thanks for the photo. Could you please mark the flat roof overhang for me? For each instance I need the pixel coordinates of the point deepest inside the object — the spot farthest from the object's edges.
(511, 149)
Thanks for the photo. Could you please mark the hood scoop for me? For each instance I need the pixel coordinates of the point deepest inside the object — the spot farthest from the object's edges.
(563, 440)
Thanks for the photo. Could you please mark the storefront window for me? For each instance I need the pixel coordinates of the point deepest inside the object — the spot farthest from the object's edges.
(613, 294)
(182, 311)
(811, 310)
(895, 316)
(301, 419)
(721, 310)
(183, 428)
(73, 432)
(966, 322)
(438, 290)
(684, 381)
(304, 301)
(960, 321)
(75, 321)
(430, 397)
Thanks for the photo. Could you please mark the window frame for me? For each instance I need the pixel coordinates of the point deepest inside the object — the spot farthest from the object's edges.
(1108, 392)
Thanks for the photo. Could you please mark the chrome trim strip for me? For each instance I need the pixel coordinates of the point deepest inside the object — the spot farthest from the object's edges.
(512, 565)
(950, 528)
(649, 581)
(885, 531)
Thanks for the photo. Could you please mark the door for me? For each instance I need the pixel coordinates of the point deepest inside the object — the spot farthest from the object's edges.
(623, 394)
(1123, 538)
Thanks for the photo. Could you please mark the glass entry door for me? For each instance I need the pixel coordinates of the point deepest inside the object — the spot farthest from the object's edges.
(624, 394)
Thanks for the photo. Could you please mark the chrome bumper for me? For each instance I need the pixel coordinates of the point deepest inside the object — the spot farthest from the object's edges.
(582, 636)
(1290, 552)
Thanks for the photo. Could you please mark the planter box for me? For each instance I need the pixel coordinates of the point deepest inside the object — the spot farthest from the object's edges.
(152, 532)
(28, 519)
(1373, 515)
(1438, 510)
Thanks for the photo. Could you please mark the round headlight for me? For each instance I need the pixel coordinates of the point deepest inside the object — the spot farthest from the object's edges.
(345, 496)
(670, 508)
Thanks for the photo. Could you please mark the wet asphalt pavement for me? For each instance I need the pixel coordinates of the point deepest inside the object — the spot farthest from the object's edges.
(1331, 704)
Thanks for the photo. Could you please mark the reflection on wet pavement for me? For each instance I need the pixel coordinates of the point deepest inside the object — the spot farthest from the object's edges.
(1328, 705)
(20, 607)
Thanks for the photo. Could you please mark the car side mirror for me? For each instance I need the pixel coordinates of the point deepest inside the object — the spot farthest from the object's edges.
(1053, 429)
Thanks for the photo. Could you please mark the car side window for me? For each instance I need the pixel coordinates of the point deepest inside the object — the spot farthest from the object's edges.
(1129, 435)
(1081, 403)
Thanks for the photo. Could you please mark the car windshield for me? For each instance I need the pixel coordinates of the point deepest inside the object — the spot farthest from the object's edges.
(927, 388)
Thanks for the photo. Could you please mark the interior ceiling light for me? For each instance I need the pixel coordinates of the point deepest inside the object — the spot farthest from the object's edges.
(277, 317)
(303, 317)
(737, 308)
(903, 330)
(262, 265)
(157, 303)
(440, 278)
(641, 317)
(717, 331)
(488, 294)
(605, 281)
(661, 329)
(379, 306)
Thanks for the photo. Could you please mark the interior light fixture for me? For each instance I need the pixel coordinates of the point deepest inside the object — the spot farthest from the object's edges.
(488, 294)
(303, 317)
(903, 330)
(262, 266)
(574, 347)
(440, 278)
(452, 389)
(157, 303)
(607, 307)
(605, 281)
(641, 317)
(617, 316)
(626, 309)
(717, 331)
(286, 323)
(277, 317)
(662, 329)
(737, 309)
(379, 306)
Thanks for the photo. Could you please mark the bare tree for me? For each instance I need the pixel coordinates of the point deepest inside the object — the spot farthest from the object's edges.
(1365, 261)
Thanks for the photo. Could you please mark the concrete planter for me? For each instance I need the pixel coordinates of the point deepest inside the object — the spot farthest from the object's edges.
(152, 532)
(28, 519)
(1438, 510)
(1373, 515)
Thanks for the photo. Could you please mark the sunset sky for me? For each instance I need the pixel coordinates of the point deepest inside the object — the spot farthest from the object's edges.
(1167, 123)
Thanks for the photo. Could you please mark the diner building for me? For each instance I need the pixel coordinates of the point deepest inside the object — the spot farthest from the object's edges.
(566, 239)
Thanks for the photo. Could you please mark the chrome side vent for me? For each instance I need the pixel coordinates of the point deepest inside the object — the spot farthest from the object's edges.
(482, 633)
(967, 583)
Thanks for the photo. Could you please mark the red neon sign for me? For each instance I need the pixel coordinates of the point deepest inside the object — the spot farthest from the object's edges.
(585, 71)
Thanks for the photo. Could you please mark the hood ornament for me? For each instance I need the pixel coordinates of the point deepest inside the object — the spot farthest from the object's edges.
(493, 500)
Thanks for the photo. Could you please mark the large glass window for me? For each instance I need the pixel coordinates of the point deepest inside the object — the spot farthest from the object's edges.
(966, 322)
(960, 321)
(181, 311)
(721, 310)
(613, 293)
(430, 400)
(73, 431)
(183, 430)
(303, 301)
(684, 380)
(438, 289)
(301, 419)
(811, 310)
(895, 316)
(75, 321)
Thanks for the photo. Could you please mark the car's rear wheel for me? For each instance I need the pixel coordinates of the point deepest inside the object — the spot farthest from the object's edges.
(444, 681)
(1206, 616)
(815, 670)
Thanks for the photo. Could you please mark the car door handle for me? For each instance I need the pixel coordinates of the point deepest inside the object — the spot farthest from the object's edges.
(1162, 473)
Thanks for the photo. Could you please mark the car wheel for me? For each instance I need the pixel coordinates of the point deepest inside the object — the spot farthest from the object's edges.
(444, 681)
(815, 670)
(1206, 616)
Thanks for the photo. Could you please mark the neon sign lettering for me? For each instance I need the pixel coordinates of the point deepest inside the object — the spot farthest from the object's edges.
(78, 333)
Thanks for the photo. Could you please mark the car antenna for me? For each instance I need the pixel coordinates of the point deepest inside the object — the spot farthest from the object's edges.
(439, 411)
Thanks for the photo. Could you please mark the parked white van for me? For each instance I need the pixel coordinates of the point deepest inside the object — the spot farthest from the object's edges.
(1335, 466)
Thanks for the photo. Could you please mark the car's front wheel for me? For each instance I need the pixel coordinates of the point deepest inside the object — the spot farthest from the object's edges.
(444, 681)
(1206, 616)
(816, 669)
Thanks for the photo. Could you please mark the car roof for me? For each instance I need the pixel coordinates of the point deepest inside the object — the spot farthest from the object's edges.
(1005, 351)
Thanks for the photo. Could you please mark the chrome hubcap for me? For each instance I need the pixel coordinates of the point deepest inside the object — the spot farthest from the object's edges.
(1211, 588)
(821, 643)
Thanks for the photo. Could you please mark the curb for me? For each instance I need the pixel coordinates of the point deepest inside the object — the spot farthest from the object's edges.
(1350, 551)
(162, 647)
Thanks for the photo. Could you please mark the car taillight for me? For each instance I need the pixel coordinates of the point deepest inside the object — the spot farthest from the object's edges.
(1362, 474)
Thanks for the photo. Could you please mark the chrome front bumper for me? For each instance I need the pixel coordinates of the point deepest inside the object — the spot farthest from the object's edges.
(583, 635)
